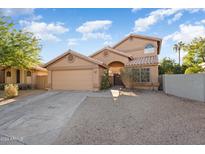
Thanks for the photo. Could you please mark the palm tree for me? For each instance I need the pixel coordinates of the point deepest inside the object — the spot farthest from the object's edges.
(177, 48)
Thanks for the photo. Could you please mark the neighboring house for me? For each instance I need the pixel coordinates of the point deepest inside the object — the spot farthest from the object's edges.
(21, 76)
(73, 71)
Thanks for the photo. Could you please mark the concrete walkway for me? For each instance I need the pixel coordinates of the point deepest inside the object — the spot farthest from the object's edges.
(38, 119)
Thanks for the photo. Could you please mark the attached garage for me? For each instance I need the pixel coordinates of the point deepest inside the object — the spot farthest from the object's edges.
(73, 71)
(72, 80)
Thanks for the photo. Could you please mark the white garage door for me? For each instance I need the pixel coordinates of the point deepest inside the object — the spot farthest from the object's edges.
(72, 80)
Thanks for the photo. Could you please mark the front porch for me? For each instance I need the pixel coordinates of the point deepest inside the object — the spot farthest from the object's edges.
(114, 73)
(18, 76)
(26, 79)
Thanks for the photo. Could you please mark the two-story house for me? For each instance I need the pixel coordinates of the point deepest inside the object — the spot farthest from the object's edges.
(73, 71)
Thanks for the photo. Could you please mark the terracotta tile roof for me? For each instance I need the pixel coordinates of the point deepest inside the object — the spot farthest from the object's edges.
(148, 60)
(39, 68)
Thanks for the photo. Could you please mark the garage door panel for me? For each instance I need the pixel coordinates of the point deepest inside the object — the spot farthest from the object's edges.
(72, 80)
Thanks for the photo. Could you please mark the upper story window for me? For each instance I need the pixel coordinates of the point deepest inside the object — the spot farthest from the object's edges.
(8, 74)
(28, 73)
(149, 48)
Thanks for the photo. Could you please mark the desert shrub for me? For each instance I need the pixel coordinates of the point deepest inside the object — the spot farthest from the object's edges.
(2, 86)
(11, 90)
(127, 77)
(105, 83)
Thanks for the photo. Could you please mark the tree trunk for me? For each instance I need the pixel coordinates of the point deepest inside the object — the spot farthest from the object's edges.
(179, 58)
(203, 58)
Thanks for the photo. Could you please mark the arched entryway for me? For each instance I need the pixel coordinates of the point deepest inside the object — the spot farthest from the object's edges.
(114, 73)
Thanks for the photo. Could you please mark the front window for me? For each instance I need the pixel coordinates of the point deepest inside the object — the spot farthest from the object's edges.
(141, 75)
(145, 75)
(28, 73)
(8, 74)
(136, 75)
(149, 48)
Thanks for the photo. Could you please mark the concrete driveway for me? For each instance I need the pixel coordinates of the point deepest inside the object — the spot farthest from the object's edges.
(38, 119)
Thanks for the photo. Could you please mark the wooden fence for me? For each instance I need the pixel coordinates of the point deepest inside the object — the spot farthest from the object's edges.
(42, 82)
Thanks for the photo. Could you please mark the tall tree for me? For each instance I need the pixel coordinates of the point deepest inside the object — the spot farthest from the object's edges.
(177, 48)
(195, 55)
(18, 49)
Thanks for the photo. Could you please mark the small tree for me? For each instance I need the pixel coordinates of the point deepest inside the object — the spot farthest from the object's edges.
(127, 76)
(166, 66)
(105, 83)
(179, 69)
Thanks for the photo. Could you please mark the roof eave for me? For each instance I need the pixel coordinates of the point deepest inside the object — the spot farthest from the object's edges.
(76, 54)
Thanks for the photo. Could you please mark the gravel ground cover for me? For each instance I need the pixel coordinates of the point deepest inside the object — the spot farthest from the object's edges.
(142, 118)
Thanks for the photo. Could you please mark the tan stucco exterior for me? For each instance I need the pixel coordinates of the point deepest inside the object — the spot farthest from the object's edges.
(135, 46)
(85, 73)
(79, 74)
(24, 79)
(107, 57)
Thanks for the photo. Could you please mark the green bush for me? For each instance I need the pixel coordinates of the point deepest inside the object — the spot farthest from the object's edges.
(105, 83)
(11, 90)
(2, 86)
(169, 66)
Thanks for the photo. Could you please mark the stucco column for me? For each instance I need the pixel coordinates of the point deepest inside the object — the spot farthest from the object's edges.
(49, 79)
(22, 76)
(96, 85)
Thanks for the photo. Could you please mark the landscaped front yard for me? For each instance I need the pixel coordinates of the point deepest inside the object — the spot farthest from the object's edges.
(143, 118)
(105, 117)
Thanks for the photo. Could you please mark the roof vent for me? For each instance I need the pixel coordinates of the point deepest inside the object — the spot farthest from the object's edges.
(105, 53)
(70, 58)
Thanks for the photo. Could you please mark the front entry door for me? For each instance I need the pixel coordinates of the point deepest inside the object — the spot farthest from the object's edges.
(17, 76)
(117, 80)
